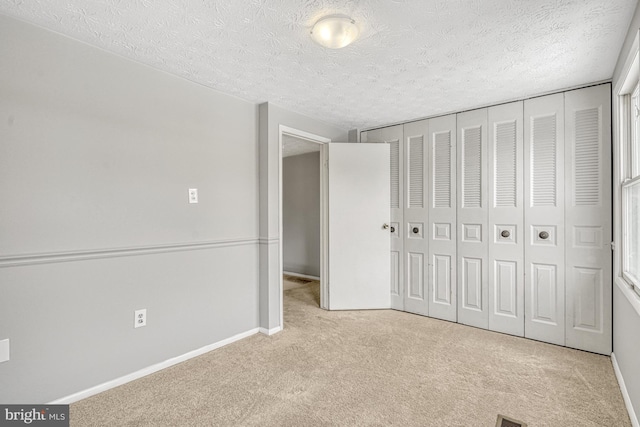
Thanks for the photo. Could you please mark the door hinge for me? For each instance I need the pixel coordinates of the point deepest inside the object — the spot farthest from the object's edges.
(613, 246)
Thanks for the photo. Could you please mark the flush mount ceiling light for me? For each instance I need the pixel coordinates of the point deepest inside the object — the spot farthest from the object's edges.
(334, 32)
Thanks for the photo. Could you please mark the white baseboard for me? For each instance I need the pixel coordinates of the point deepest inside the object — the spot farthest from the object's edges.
(270, 331)
(304, 276)
(625, 393)
(150, 369)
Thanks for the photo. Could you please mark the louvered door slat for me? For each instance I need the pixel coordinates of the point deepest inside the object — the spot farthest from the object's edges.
(472, 167)
(442, 166)
(505, 166)
(395, 173)
(586, 157)
(416, 172)
(543, 161)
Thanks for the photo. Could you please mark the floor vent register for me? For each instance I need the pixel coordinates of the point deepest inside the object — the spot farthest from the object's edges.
(509, 422)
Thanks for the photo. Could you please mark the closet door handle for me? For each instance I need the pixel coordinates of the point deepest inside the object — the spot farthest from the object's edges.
(385, 226)
(393, 229)
(505, 233)
(543, 235)
(415, 230)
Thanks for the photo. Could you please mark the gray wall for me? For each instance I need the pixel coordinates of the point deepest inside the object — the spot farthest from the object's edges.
(301, 213)
(96, 156)
(271, 117)
(626, 345)
(626, 321)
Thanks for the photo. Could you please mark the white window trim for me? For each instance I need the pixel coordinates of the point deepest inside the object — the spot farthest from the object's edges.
(626, 185)
(626, 84)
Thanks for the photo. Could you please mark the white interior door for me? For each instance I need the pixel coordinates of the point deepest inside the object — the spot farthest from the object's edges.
(473, 290)
(416, 251)
(506, 217)
(544, 219)
(442, 227)
(359, 241)
(588, 218)
(393, 135)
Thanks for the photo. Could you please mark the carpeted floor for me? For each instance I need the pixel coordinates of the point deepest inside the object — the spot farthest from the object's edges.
(293, 282)
(368, 368)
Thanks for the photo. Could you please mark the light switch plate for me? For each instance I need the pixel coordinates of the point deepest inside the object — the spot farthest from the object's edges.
(193, 195)
(4, 350)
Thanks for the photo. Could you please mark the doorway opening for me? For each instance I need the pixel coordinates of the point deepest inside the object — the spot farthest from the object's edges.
(303, 213)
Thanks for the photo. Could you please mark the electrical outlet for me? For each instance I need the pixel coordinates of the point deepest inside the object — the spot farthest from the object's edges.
(193, 195)
(4, 350)
(140, 318)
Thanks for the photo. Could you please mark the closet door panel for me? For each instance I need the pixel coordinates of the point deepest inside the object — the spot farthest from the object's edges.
(544, 219)
(472, 219)
(588, 218)
(393, 136)
(416, 137)
(506, 219)
(442, 224)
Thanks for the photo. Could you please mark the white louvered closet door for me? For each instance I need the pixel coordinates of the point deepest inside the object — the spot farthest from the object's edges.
(544, 219)
(506, 219)
(588, 218)
(442, 226)
(393, 136)
(416, 136)
(473, 307)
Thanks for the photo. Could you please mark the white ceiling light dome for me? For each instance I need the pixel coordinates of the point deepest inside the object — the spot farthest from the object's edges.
(334, 32)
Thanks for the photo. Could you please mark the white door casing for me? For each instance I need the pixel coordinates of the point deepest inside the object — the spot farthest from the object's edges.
(441, 220)
(588, 218)
(473, 307)
(544, 219)
(506, 218)
(359, 269)
(393, 136)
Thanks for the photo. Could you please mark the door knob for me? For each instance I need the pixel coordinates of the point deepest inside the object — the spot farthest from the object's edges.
(415, 230)
(544, 235)
(505, 233)
(385, 226)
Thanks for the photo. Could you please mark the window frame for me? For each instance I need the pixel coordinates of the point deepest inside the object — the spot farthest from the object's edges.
(634, 146)
(624, 180)
(627, 185)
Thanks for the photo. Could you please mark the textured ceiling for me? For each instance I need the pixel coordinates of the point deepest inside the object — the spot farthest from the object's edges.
(292, 146)
(414, 58)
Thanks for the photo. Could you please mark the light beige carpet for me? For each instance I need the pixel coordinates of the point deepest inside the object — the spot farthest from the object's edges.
(293, 282)
(368, 368)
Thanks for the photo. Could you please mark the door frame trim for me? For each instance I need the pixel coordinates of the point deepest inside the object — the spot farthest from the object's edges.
(324, 212)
